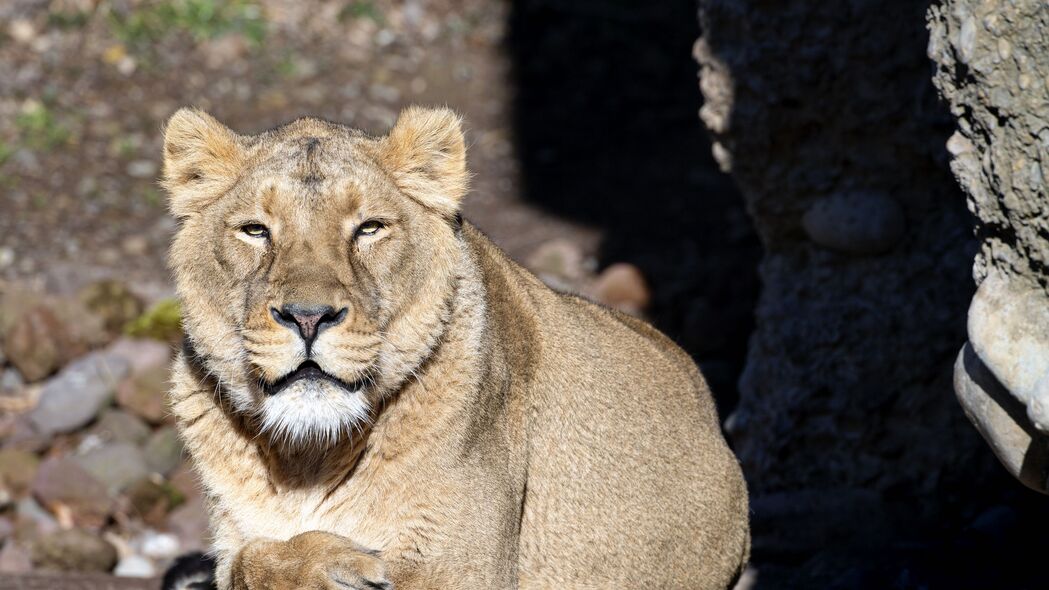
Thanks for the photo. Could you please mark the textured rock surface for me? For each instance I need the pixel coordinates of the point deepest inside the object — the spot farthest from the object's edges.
(76, 395)
(993, 68)
(832, 114)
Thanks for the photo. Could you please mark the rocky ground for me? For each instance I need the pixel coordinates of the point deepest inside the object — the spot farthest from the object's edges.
(92, 477)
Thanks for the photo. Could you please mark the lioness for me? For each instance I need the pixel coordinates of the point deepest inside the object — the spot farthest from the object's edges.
(375, 395)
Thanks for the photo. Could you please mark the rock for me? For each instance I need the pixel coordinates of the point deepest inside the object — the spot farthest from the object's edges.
(15, 559)
(24, 436)
(143, 354)
(144, 395)
(63, 484)
(17, 470)
(1009, 331)
(117, 465)
(1002, 421)
(7, 528)
(558, 262)
(142, 169)
(151, 499)
(113, 303)
(34, 520)
(623, 287)
(37, 343)
(190, 523)
(855, 223)
(120, 426)
(11, 382)
(75, 396)
(73, 550)
(163, 452)
(159, 546)
(135, 566)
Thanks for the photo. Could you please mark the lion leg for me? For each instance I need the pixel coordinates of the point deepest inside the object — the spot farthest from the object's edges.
(313, 560)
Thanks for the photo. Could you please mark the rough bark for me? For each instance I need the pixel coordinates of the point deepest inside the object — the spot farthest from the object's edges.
(993, 68)
(825, 115)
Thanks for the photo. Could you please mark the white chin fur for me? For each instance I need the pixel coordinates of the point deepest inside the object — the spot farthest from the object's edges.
(311, 413)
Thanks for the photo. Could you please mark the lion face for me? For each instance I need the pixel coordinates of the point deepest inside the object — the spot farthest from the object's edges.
(315, 264)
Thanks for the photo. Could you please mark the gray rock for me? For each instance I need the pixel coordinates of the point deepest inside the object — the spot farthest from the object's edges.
(119, 426)
(11, 381)
(163, 451)
(117, 465)
(15, 559)
(855, 223)
(73, 550)
(143, 355)
(135, 566)
(1009, 330)
(78, 393)
(62, 482)
(41, 520)
(1002, 421)
(37, 343)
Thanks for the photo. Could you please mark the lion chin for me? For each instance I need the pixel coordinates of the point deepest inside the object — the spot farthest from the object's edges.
(310, 407)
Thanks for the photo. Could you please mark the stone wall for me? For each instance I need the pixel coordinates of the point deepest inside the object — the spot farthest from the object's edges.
(825, 115)
(992, 63)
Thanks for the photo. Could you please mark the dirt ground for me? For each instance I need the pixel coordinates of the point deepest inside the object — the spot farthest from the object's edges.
(89, 83)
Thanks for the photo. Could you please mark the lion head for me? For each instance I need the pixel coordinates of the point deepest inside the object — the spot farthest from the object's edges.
(316, 264)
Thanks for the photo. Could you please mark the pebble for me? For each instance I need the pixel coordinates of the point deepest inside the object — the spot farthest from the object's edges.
(117, 465)
(78, 393)
(17, 470)
(39, 520)
(158, 545)
(119, 426)
(163, 451)
(144, 395)
(623, 287)
(37, 343)
(560, 260)
(151, 500)
(11, 381)
(15, 559)
(73, 550)
(135, 566)
(142, 354)
(858, 223)
(62, 482)
(142, 168)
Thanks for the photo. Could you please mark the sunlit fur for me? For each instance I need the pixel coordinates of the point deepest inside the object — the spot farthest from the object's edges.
(489, 432)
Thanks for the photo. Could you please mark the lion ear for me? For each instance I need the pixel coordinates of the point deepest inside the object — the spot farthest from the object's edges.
(426, 154)
(202, 158)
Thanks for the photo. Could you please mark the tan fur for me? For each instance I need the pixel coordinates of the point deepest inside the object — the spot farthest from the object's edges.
(514, 437)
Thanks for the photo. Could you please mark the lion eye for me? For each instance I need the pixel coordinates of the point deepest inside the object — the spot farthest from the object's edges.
(256, 230)
(369, 228)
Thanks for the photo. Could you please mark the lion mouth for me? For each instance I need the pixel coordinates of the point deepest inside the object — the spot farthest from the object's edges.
(311, 371)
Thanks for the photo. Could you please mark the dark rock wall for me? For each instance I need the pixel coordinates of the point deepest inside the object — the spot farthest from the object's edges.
(825, 115)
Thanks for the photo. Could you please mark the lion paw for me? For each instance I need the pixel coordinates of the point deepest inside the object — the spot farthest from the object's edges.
(314, 560)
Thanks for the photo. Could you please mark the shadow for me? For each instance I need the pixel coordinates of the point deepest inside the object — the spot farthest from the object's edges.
(607, 127)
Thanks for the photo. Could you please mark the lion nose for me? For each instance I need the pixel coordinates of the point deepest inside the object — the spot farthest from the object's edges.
(309, 320)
